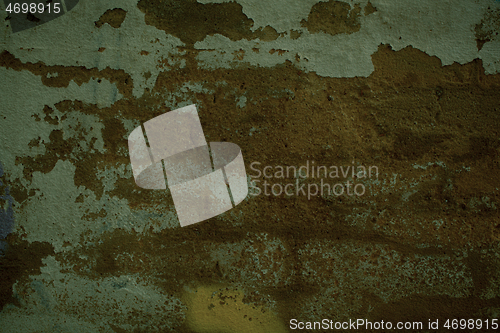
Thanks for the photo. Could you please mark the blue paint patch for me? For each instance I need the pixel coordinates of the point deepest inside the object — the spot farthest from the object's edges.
(6, 213)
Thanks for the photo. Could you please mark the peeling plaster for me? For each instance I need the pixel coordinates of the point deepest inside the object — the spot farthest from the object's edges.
(49, 300)
(93, 252)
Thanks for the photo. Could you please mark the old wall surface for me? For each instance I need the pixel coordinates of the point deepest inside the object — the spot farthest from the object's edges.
(408, 87)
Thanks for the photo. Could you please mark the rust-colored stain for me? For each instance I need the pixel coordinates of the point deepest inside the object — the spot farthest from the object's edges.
(192, 21)
(488, 28)
(369, 9)
(360, 118)
(223, 310)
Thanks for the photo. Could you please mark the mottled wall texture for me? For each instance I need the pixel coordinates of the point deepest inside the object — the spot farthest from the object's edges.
(409, 88)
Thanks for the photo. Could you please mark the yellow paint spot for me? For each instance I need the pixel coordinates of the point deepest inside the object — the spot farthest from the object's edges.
(221, 310)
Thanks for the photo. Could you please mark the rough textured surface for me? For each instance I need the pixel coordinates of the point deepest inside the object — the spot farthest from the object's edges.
(334, 17)
(408, 87)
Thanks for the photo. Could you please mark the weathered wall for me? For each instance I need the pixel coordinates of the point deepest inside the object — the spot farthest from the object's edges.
(411, 87)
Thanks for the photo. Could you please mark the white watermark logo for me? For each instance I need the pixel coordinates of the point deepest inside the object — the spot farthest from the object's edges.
(310, 179)
(204, 180)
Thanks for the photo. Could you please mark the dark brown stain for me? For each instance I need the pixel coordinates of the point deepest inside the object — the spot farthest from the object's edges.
(421, 308)
(408, 145)
(394, 119)
(59, 148)
(481, 148)
(21, 260)
(20, 194)
(483, 272)
(48, 116)
(192, 21)
(113, 17)
(295, 34)
(333, 17)
(93, 216)
(32, 18)
(388, 111)
(488, 28)
(66, 74)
